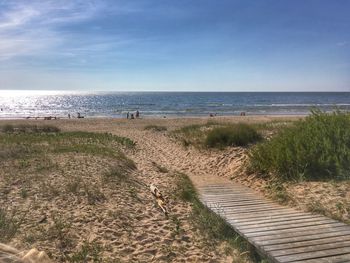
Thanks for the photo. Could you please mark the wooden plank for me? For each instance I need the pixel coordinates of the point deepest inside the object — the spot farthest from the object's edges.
(226, 199)
(341, 231)
(292, 226)
(279, 233)
(227, 189)
(315, 255)
(265, 215)
(270, 215)
(303, 234)
(239, 207)
(313, 248)
(265, 222)
(242, 207)
(220, 194)
(254, 209)
(233, 200)
(263, 209)
(333, 259)
(327, 240)
(299, 231)
(239, 203)
(252, 220)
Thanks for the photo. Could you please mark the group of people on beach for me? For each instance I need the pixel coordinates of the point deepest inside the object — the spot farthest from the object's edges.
(132, 116)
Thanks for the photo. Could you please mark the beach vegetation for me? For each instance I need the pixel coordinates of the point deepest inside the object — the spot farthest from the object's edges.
(157, 128)
(7, 128)
(87, 252)
(74, 185)
(194, 134)
(217, 135)
(316, 207)
(60, 231)
(116, 173)
(27, 128)
(314, 148)
(9, 226)
(24, 145)
(24, 193)
(276, 190)
(239, 134)
(93, 194)
(160, 168)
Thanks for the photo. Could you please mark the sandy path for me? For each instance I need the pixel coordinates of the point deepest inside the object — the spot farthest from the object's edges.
(158, 147)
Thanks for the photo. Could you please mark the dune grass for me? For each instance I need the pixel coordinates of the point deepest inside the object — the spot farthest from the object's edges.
(316, 148)
(29, 142)
(55, 167)
(8, 128)
(194, 134)
(239, 134)
(217, 135)
(34, 152)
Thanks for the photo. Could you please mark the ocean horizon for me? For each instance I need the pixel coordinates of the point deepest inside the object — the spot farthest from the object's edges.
(35, 103)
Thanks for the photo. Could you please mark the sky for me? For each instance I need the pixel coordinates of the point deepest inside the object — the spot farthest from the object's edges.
(182, 45)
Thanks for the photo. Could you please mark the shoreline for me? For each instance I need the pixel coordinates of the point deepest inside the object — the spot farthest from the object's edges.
(176, 117)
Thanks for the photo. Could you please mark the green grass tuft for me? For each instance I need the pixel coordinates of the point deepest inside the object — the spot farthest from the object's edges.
(234, 135)
(316, 148)
(193, 134)
(88, 252)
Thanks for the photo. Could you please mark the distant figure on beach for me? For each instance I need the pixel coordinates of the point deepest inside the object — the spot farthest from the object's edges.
(127, 115)
(132, 116)
(68, 115)
(79, 116)
(211, 115)
(243, 113)
(137, 114)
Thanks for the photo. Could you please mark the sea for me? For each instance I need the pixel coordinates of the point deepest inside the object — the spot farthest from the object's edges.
(31, 104)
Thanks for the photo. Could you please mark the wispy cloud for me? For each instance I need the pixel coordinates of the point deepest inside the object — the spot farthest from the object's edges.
(343, 43)
(31, 28)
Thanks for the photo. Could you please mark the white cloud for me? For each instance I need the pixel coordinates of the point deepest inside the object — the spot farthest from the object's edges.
(32, 28)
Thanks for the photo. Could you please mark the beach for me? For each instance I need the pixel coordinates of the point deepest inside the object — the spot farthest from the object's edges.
(122, 222)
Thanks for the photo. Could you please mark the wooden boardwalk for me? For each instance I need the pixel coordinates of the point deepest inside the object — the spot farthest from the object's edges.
(278, 233)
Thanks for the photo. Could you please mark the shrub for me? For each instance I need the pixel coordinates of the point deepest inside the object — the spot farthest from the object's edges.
(194, 134)
(317, 147)
(234, 135)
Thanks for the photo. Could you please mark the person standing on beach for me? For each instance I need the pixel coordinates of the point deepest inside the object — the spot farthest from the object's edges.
(137, 114)
(127, 115)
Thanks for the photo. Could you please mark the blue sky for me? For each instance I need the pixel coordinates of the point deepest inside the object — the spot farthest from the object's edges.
(182, 45)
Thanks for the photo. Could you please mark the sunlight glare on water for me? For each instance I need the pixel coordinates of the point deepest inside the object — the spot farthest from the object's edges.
(31, 104)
